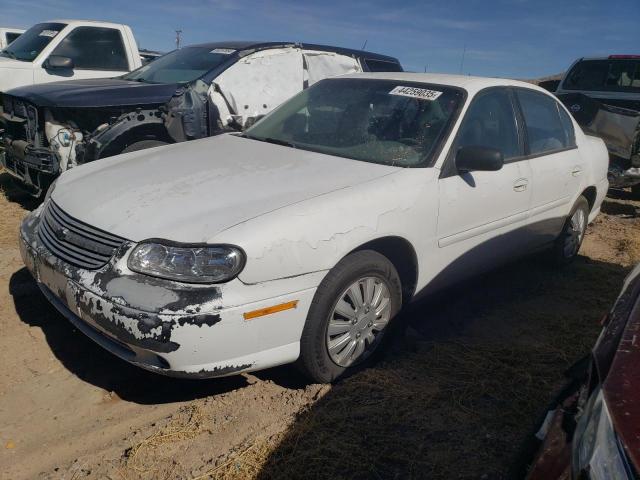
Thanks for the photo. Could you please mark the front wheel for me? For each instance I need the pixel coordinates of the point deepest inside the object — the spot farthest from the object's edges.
(568, 243)
(350, 315)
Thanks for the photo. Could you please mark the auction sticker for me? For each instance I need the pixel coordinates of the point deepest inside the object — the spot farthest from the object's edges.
(48, 33)
(421, 93)
(224, 51)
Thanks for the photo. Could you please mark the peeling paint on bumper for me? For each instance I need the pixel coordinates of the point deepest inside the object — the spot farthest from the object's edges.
(167, 327)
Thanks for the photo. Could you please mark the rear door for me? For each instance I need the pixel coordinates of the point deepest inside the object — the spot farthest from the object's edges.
(556, 164)
(482, 215)
(96, 52)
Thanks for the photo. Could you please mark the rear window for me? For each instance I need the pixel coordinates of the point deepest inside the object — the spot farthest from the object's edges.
(618, 75)
(382, 65)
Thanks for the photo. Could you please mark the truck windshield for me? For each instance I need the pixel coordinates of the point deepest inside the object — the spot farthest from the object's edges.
(29, 45)
(180, 66)
(389, 122)
(618, 75)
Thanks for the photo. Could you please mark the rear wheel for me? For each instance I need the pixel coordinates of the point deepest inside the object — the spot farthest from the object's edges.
(568, 243)
(143, 144)
(350, 317)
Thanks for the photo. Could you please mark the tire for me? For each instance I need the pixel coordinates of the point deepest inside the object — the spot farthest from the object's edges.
(635, 192)
(143, 144)
(366, 333)
(567, 245)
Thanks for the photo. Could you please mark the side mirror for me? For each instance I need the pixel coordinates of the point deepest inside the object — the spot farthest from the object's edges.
(58, 62)
(476, 158)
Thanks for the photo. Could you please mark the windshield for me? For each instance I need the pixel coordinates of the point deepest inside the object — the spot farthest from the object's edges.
(29, 45)
(180, 66)
(380, 121)
(618, 75)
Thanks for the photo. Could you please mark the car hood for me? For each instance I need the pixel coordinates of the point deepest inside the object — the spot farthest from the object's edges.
(190, 192)
(96, 92)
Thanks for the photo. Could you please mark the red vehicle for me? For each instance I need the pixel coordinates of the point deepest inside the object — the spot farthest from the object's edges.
(594, 434)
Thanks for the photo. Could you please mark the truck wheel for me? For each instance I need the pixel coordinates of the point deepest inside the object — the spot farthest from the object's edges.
(350, 316)
(568, 243)
(635, 192)
(144, 144)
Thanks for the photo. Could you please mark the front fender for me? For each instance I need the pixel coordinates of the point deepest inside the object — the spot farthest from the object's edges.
(314, 235)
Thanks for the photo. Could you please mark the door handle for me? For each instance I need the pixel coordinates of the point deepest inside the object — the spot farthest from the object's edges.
(520, 185)
(576, 171)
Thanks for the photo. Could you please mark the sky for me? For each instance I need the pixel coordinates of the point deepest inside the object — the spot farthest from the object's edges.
(504, 38)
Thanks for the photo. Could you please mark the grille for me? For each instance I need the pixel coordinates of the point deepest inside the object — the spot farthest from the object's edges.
(75, 242)
(21, 120)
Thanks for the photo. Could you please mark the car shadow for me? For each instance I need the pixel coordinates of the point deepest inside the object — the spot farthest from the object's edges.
(627, 210)
(96, 366)
(15, 194)
(464, 388)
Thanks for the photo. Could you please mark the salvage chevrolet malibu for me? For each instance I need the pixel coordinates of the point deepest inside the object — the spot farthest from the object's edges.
(303, 237)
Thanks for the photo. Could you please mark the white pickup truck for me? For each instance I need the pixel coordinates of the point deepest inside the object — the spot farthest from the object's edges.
(68, 49)
(8, 35)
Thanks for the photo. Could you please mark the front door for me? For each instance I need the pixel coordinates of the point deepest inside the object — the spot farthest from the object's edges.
(482, 215)
(96, 53)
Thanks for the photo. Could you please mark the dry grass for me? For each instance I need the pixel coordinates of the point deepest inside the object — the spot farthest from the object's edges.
(142, 461)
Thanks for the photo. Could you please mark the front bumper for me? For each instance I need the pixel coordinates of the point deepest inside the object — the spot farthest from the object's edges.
(168, 327)
(35, 168)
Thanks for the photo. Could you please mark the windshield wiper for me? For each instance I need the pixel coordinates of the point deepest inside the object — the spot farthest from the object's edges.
(9, 54)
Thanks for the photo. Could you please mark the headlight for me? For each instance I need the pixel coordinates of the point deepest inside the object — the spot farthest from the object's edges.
(186, 263)
(596, 451)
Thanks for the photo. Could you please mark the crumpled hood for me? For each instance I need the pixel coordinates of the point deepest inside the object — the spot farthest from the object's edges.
(189, 192)
(95, 92)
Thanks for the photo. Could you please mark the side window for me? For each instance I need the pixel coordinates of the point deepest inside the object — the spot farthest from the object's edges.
(567, 124)
(93, 48)
(320, 65)
(545, 130)
(382, 65)
(490, 122)
(260, 82)
(11, 37)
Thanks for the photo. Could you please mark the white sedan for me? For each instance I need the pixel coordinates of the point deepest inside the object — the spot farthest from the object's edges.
(303, 238)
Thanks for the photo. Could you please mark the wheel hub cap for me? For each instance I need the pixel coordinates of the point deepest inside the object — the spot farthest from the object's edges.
(357, 321)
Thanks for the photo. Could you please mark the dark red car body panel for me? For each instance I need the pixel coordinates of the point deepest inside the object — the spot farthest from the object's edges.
(616, 366)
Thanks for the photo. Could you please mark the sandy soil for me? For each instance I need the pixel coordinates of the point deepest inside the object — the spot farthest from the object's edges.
(455, 397)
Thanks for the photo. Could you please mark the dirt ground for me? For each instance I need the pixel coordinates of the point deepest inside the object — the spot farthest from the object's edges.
(455, 398)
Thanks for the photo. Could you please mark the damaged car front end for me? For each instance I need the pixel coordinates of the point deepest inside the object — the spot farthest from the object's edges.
(593, 432)
(166, 325)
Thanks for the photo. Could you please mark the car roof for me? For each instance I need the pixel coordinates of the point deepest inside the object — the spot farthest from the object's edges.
(77, 21)
(252, 45)
(469, 83)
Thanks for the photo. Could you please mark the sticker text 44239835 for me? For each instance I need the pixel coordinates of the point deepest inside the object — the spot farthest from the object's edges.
(414, 92)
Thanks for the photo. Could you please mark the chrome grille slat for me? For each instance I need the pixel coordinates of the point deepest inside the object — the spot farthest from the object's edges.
(72, 259)
(74, 241)
(94, 245)
(104, 237)
(70, 246)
